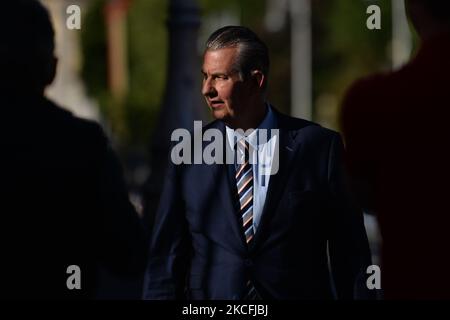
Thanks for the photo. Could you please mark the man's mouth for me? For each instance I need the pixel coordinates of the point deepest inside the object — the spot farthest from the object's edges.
(216, 103)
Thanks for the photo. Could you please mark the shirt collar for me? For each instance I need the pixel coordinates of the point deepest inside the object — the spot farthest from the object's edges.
(267, 123)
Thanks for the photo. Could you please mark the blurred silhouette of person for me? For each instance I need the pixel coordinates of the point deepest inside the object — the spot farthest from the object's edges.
(63, 201)
(233, 231)
(397, 141)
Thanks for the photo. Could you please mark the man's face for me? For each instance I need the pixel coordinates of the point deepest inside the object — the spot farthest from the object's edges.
(225, 93)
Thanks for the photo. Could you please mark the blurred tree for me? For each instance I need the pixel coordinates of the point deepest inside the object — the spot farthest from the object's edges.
(347, 48)
(344, 49)
(130, 123)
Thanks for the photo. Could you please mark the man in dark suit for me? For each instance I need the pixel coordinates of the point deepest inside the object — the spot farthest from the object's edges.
(63, 201)
(254, 229)
(395, 128)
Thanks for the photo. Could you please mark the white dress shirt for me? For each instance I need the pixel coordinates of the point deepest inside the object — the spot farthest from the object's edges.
(261, 156)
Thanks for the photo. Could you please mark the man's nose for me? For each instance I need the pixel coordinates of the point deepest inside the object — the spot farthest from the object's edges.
(208, 89)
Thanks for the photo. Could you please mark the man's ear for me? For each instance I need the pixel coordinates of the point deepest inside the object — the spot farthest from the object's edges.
(259, 78)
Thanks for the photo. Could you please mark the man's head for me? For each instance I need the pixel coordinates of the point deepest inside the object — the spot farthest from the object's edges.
(429, 17)
(27, 60)
(235, 70)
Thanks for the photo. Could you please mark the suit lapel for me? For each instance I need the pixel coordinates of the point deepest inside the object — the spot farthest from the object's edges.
(231, 171)
(277, 183)
(225, 173)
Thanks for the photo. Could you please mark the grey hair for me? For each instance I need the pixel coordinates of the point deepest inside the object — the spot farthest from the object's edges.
(252, 52)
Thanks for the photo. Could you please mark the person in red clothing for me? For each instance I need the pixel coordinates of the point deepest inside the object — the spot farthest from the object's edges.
(395, 127)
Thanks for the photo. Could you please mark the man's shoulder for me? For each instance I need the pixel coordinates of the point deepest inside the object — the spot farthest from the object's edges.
(366, 97)
(380, 86)
(285, 123)
(304, 127)
(70, 125)
(215, 124)
(369, 87)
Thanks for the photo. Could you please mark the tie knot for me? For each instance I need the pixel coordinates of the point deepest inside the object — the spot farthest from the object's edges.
(243, 144)
(243, 148)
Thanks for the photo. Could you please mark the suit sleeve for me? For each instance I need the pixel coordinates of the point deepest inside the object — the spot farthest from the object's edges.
(349, 250)
(165, 278)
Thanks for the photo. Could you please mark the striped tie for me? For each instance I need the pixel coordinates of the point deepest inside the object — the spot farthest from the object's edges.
(244, 180)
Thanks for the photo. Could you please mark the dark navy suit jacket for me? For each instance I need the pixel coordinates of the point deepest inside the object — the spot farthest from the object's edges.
(198, 249)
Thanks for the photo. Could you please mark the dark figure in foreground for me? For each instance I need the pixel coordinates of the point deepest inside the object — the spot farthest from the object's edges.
(258, 227)
(62, 197)
(397, 139)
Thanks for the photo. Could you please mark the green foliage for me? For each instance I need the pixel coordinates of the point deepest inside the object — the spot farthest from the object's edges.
(147, 61)
(347, 49)
(94, 48)
(131, 121)
(344, 49)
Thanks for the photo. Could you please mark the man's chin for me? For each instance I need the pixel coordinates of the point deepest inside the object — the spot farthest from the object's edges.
(218, 114)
